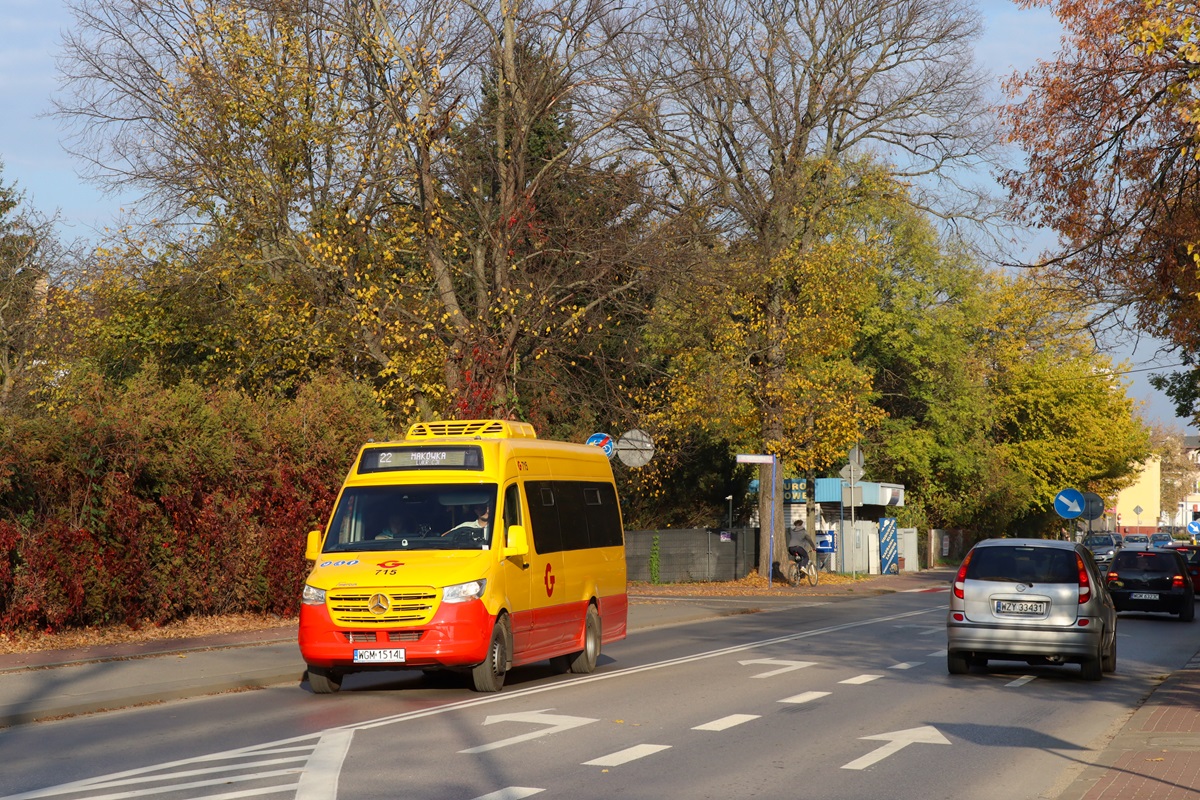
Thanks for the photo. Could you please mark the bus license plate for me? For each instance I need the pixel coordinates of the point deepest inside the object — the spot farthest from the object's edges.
(1025, 607)
(379, 656)
(1143, 596)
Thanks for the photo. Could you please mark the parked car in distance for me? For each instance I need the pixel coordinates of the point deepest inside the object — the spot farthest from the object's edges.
(1191, 554)
(1041, 601)
(1161, 539)
(1152, 580)
(1102, 545)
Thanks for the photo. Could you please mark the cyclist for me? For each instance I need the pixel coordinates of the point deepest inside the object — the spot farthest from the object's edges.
(800, 544)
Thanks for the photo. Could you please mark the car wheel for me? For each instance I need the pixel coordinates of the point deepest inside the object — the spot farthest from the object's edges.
(324, 681)
(1109, 662)
(956, 664)
(1188, 612)
(1093, 668)
(489, 676)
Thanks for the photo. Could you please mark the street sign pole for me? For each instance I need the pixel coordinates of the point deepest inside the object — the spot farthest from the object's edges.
(851, 473)
(756, 458)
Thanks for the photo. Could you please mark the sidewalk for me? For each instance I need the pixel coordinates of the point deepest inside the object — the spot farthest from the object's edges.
(1156, 754)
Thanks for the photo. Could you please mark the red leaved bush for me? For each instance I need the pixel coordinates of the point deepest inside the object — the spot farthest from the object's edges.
(153, 503)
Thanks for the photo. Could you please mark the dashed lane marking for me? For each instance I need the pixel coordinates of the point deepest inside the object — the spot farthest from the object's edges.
(861, 679)
(804, 697)
(628, 754)
(725, 723)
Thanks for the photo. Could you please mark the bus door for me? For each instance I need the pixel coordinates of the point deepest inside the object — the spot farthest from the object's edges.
(517, 572)
(555, 619)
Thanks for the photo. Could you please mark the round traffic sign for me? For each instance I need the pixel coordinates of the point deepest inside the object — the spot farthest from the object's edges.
(635, 448)
(1193, 527)
(603, 441)
(1069, 503)
(1093, 506)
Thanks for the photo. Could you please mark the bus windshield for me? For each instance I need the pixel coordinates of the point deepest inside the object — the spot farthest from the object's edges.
(437, 517)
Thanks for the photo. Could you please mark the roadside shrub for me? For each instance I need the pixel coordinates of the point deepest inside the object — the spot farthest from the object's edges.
(153, 503)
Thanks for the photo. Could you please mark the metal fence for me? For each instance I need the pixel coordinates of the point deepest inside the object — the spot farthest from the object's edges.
(698, 554)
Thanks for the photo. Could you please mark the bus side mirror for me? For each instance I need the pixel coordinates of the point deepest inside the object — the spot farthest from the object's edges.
(516, 541)
(312, 550)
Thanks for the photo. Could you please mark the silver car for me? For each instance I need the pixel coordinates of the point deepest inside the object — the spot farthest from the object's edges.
(1035, 600)
(1102, 545)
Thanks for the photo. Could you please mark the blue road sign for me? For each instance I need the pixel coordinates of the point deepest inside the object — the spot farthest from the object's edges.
(603, 441)
(1193, 527)
(1069, 503)
(889, 546)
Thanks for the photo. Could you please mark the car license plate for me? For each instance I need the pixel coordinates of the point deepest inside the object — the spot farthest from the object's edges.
(379, 656)
(1143, 596)
(1022, 607)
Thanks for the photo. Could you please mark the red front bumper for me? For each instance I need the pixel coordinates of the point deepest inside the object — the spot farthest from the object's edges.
(457, 636)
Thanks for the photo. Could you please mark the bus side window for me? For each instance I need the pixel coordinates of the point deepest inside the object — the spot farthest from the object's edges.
(512, 508)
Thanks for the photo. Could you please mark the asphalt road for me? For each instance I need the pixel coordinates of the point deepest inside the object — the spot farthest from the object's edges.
(818, 699)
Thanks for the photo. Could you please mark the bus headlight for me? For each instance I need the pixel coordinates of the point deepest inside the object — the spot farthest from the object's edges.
(462, 592)
(312, 596)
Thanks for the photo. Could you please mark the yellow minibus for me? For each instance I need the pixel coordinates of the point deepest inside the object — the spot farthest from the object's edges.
(470, 546)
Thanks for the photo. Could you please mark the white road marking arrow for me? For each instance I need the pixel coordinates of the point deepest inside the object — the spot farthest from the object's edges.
(556, 723)
(897, 741)
(784, 666)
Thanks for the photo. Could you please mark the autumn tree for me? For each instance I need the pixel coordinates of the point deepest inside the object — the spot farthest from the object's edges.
(414, 192)
(750, 111)
(30, 259)
(537, 234)
(1109, 130)
(248, 124)
(1178, 474)
(995, 395)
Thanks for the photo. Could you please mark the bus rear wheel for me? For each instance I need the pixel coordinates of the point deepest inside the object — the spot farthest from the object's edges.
(584, 661)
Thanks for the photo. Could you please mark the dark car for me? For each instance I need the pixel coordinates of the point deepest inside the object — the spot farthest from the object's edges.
(1102, 545)
(1191, 554)
(1152, 580)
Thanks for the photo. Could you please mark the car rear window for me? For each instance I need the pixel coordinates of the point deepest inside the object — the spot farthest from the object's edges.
(1134, 561)
(1023, 565)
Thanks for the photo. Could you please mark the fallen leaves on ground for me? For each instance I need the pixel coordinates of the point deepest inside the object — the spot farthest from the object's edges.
(34, 641)
(751, 585)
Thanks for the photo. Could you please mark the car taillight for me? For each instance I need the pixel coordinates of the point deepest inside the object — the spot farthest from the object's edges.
(1085, 583)
(962, 576)
(1176, 581)
(1111, 576)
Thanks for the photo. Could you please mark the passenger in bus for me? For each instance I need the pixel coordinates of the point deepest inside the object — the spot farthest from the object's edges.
(395, 528)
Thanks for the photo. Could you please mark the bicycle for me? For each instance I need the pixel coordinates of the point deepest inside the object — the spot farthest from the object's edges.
(797, 573)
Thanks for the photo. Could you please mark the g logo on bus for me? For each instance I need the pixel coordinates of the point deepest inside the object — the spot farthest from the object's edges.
(549, 581)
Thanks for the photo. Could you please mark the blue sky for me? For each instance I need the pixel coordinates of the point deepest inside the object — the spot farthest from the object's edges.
(30, 31)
